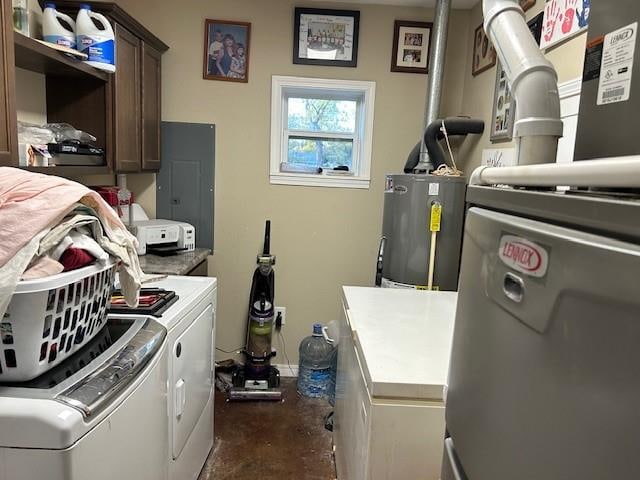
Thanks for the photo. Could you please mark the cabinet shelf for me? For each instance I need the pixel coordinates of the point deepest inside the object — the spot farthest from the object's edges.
(36, 57)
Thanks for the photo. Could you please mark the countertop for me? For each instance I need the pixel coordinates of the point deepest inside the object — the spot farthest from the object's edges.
(178, 264)
(403, 338)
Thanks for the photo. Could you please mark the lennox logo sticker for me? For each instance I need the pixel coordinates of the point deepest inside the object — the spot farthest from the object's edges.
(524, 256)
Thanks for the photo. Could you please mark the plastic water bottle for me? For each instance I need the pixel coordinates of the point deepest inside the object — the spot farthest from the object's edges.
(317, 359)
(97, 43)
(54, 31)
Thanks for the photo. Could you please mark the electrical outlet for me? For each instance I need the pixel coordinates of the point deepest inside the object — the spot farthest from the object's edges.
(283, 312)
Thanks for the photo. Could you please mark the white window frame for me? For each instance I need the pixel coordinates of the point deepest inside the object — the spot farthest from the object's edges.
(283, 87)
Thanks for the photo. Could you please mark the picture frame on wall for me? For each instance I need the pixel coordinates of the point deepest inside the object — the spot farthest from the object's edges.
(504, 109)
(484, 55)
(326, 37)
(527, 4)
(411, 46)
(226, 50)
(563, 19)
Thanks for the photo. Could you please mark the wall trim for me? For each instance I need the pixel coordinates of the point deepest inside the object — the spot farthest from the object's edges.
(570, 88)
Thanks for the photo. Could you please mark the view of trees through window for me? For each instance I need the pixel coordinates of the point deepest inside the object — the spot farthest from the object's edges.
(333, 123)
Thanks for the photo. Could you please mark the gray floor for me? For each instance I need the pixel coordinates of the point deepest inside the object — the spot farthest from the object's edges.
(271, 440)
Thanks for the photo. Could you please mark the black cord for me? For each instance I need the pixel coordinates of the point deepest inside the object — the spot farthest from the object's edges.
(237, 350)
(284, 350)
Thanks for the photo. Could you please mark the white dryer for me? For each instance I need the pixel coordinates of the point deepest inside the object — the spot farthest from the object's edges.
(190, 323)
(100, 414)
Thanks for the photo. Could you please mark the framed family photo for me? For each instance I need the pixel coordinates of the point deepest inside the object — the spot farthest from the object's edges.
(226, 50)
(411, 45)
(326, 37)
(484, 55)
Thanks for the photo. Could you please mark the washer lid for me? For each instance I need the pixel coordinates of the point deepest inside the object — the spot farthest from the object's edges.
(33, 416)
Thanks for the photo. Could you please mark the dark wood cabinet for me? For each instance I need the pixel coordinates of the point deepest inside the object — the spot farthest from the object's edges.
(8, 126)
(151, 116)
(127, 144)
(122, 110)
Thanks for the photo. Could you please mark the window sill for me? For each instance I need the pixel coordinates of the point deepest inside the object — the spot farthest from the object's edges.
(307, 180)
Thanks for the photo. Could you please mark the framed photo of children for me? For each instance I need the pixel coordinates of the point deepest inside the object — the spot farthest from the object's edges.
(411, 44)
(326, 37)
(504, 109)
(226, 50)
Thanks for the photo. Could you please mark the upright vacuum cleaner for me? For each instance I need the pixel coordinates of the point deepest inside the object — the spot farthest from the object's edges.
(257, 379)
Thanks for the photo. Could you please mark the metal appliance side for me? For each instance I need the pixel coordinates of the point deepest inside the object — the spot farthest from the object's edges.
(540, 383)
(407, 208)
(594, 212)
(609, 130)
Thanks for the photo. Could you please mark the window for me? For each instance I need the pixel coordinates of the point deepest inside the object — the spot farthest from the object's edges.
(321, 132)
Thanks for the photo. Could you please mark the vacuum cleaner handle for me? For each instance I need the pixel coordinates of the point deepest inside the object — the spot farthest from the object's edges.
(383, 243)
(267, 238)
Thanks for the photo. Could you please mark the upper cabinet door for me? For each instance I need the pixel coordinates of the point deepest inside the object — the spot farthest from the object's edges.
(127, 145)
(150, 108)
(8, 128)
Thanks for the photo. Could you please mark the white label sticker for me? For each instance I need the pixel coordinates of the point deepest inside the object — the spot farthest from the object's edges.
(617, 65)
(434, 188)
(524, 255)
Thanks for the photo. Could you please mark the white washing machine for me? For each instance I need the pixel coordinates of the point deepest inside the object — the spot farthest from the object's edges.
(99, 415)
(190, 324)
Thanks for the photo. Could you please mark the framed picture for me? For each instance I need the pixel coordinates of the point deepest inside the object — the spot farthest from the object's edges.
(535, 26)
(411, 46)
(504, 108)
(484, 55)
(226, 50)
(527, 4)
(326, 37)
(563, 19)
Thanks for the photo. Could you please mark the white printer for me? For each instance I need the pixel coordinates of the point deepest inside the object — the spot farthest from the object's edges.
(163, 237)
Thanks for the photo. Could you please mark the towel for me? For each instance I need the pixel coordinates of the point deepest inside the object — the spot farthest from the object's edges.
(31, 204)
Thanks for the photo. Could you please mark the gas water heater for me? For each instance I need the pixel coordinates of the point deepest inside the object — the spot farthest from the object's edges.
(423, 217)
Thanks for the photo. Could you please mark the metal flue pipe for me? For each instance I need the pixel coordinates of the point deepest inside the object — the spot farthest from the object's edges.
(533, 81)
(436, 75)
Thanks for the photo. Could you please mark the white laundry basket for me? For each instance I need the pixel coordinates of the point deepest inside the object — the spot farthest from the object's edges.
(49, 319)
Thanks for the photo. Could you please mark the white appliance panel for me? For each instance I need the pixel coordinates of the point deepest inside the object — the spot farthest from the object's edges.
(192, 377)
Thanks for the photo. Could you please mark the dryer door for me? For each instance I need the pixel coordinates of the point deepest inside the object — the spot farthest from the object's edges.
(192, 377)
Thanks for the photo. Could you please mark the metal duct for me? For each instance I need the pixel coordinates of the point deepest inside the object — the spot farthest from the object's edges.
(435, 77)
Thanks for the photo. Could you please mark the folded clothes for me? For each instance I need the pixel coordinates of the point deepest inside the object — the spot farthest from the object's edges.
(73, 258)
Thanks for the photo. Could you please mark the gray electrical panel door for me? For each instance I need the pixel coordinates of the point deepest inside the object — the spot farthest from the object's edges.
(185, 183)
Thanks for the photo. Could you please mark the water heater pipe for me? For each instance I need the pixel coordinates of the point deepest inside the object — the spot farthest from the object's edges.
(436, 76)
(533, 81)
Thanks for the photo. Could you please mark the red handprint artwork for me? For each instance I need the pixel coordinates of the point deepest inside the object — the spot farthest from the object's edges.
(569, 14)
(553, 15)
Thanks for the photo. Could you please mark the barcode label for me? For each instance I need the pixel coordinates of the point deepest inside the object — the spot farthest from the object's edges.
(611, 94)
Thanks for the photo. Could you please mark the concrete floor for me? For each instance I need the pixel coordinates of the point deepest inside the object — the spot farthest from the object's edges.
(271, 440)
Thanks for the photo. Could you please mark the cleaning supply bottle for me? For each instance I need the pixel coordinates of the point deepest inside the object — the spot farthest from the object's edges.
(317, 358)
(97, 43)
(54, 29)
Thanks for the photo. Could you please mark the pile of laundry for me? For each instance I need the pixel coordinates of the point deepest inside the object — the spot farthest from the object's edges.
(50, 225)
